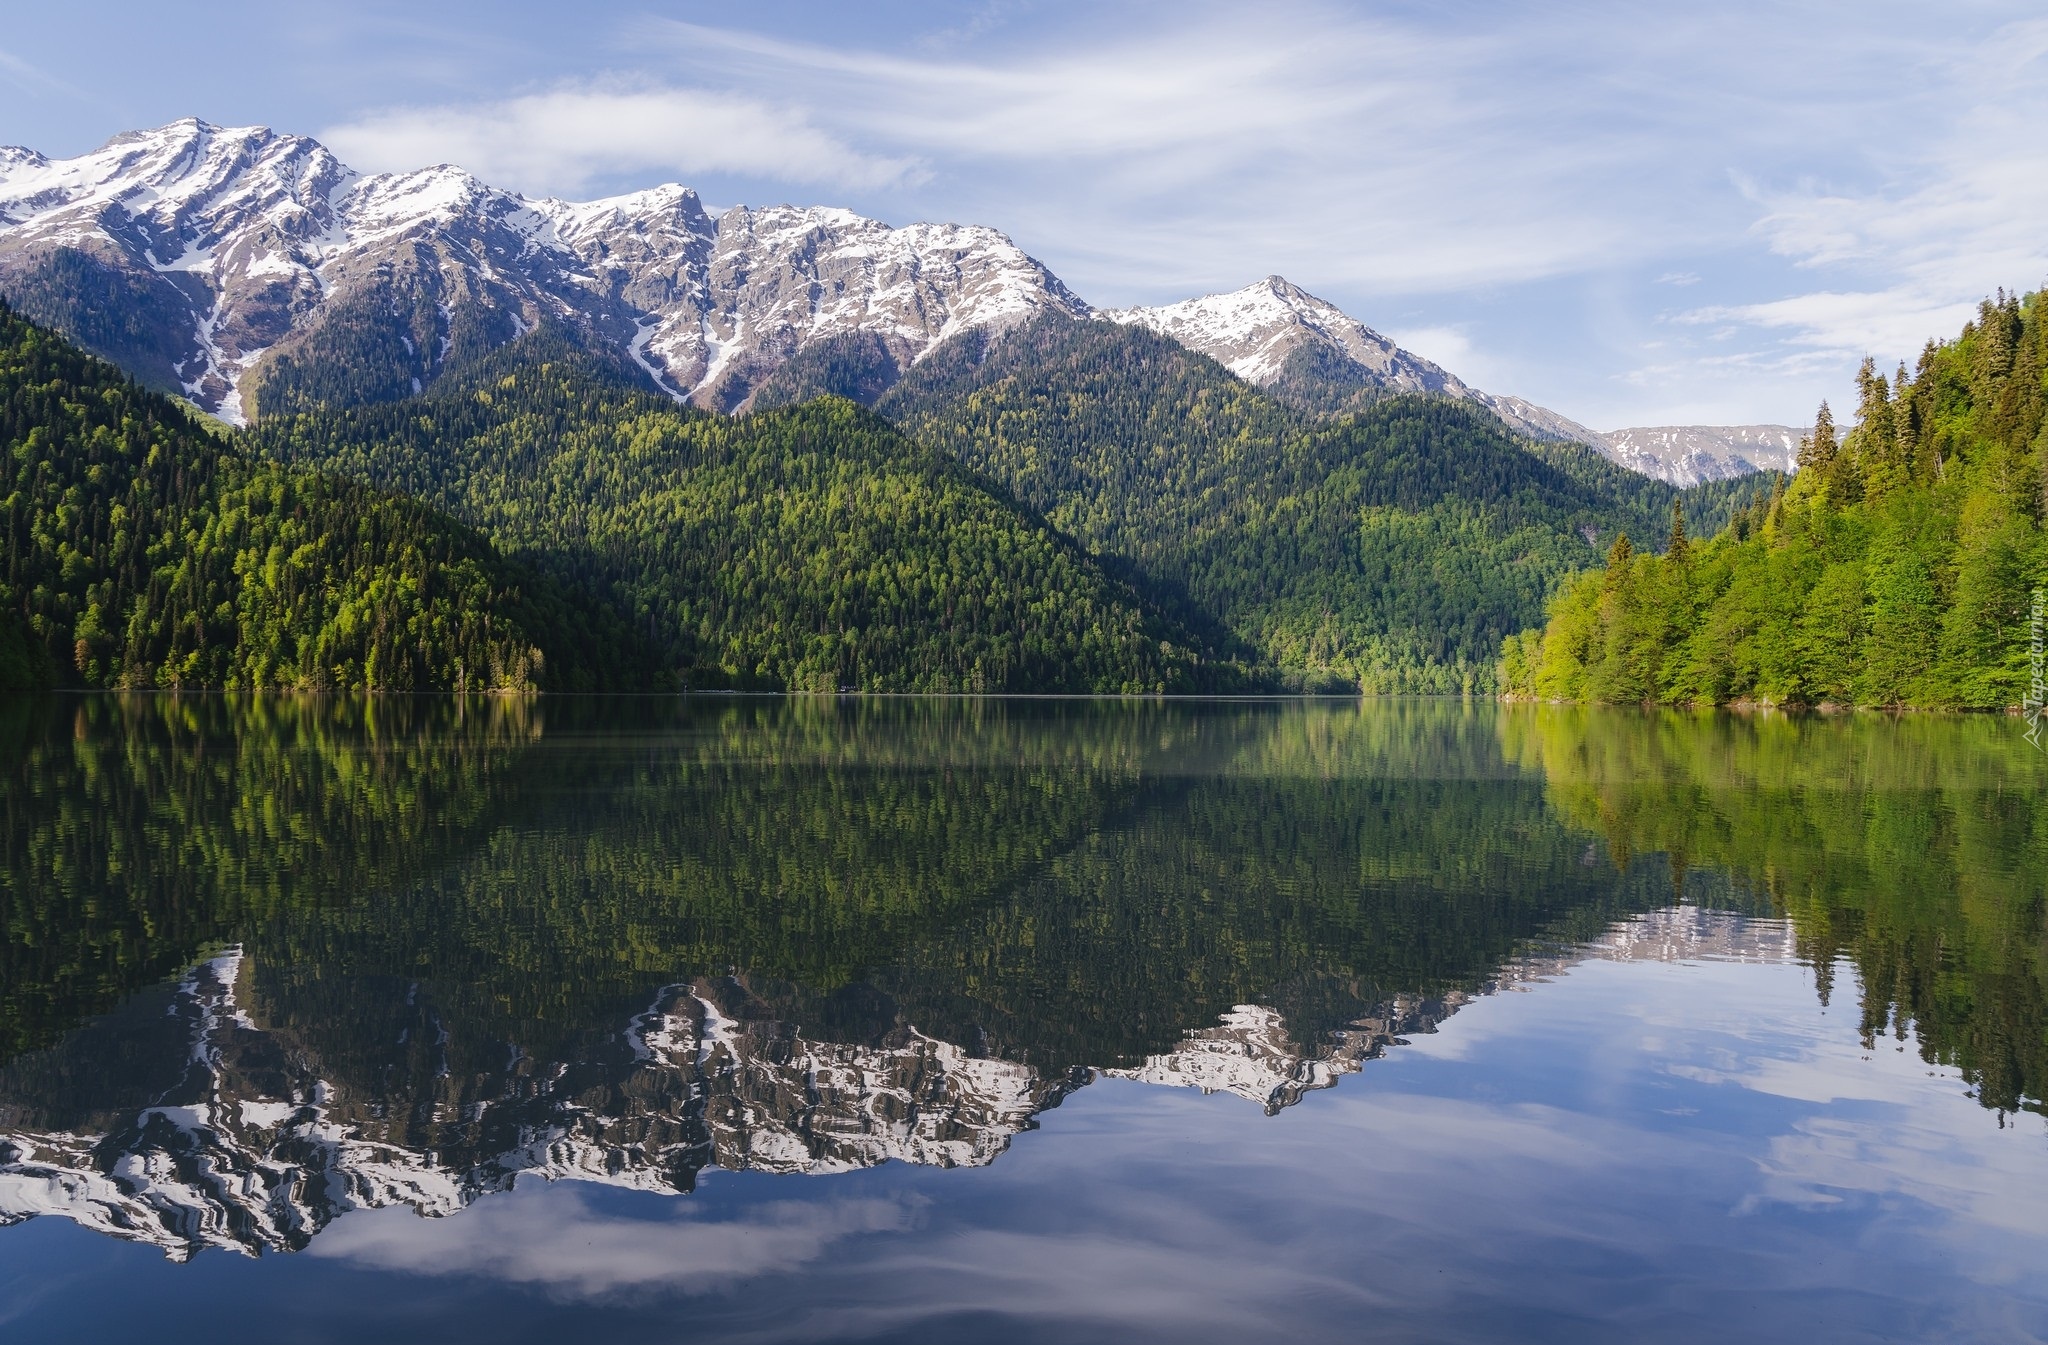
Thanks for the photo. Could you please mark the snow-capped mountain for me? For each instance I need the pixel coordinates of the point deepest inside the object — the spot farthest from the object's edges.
(1279, 336)
(1253, 331)
(243, 1141)
(241, 259)
(1686, 455)
(1264, 332)
(255, 272)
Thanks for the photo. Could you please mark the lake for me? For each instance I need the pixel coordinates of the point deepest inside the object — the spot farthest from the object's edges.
(806, 1019)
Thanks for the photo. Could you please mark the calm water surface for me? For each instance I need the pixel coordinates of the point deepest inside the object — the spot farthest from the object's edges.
(765, 1020)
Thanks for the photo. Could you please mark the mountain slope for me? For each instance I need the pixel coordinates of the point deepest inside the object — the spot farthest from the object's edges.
(1383, 550)
(811, 548)
(143, 552)
(1311, 354)
(1686, 455)
(255, 273)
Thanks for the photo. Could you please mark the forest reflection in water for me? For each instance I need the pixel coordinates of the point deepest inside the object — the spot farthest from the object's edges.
(270, 960)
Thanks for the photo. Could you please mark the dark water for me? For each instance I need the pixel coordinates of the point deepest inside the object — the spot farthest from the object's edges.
(964, 1020)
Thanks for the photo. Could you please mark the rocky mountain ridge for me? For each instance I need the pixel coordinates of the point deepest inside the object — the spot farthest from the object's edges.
(243, 255)
(253, 272)
(1260, 332)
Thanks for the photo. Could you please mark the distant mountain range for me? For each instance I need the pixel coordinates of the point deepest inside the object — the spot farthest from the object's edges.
(255, 273)
(1687, 454)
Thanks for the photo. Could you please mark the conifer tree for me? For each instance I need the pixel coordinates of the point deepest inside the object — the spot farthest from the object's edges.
(1874, 444)
(1817, 449)
(1677, 550)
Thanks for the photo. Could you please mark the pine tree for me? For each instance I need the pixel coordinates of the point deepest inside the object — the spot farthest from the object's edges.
(1678, 549)
(1874, 442)
(1817, 450)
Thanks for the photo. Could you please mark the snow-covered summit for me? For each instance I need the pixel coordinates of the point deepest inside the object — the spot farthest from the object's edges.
(1255, 332)
(234, 255)
(235, 246)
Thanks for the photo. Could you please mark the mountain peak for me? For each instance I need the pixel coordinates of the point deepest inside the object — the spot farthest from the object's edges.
(1254, 332)
(1260, 331)
(240, 241)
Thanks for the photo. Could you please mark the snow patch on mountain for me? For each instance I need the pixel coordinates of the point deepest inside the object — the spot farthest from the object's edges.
(1255, 331)
(1686, 455)
(247, 242)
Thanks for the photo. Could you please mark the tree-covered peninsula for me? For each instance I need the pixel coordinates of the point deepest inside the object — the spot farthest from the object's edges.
(1900, 567)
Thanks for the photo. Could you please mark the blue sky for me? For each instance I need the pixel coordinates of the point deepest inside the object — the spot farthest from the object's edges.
(1632, 213)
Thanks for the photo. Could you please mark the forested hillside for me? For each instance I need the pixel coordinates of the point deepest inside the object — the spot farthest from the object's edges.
(1897, 569)
(1390, 550)
(807, 549)
(143, 552)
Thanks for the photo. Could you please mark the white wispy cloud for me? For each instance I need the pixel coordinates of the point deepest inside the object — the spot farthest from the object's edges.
(32, 78)
(1955, 216)
(562, 139)
(1229, 143)
(578, 1253)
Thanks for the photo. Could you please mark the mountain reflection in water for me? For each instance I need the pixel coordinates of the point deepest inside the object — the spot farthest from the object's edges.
(268, 961)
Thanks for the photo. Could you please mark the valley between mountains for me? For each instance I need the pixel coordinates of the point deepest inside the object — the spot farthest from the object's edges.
(274, 423)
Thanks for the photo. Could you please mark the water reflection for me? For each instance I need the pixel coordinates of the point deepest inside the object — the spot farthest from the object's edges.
(418, 950)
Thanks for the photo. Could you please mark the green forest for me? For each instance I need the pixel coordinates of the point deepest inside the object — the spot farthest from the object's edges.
(1387, 550)
(143, 550)
(1898, 568)
(810, 548)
